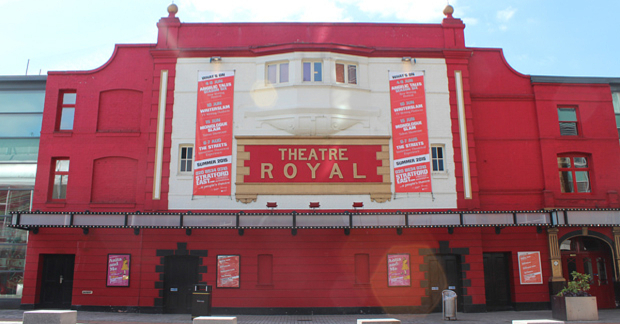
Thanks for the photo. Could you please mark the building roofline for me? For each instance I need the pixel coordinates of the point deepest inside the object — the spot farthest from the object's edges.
(6, 78)
(564, 79)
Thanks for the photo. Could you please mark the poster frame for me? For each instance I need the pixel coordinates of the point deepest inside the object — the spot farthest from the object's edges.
(238, 266)
(539, 270)
(122, 255)
(387, 263)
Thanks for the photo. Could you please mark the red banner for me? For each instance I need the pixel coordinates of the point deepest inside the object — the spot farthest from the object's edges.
(412, 162)
(214, 117)
(313, 163)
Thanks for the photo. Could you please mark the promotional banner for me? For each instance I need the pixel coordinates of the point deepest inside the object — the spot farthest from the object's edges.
(399, 272)
(118, 270)
(228, 271)
(214, 117)
(530, 270)
(412, 162)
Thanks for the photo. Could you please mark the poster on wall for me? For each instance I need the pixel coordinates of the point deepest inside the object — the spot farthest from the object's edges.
(118, 270)
(213, 147)
(530, 270)
(399, 272)
(411, 151)
(228, 271)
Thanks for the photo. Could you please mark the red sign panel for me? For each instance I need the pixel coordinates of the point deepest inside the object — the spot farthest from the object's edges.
(313, 163)
(214, 117)
(228, 271)
(412, 162)
(399, 270)
(530, 270)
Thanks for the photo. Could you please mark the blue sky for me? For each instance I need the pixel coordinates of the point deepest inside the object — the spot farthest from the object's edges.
(539, 37)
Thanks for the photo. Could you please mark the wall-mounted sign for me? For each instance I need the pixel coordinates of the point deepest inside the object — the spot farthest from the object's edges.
(228, 271)
(118, 270)
(213, 149)
(412, 161)
(530, 269)
(399, 270)
(311, 166)
(313, 163)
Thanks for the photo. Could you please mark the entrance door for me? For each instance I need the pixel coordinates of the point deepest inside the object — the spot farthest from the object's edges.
(57, 280)
(591, 256)
(497, 281)
(180, 275)
(444, 273)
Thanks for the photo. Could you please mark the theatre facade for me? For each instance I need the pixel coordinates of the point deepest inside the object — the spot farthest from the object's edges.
(320, 168)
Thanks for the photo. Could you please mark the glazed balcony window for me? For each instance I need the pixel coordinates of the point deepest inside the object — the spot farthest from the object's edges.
(346, 73)
(277, 73)
(312, 71)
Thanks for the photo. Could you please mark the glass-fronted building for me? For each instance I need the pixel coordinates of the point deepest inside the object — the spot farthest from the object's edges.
(21, 112)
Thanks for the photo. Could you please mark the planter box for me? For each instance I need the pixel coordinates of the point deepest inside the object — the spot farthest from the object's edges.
(574, 308)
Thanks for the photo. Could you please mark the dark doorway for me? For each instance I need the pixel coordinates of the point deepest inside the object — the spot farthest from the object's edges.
(444, 273)
(180, 275)
(497, 281)
(57, 280)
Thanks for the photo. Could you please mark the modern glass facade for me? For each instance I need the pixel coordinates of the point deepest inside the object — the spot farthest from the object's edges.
(21, 113)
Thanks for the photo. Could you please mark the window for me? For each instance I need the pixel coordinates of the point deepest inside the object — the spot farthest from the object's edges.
(186, 158)
(60, 178)
(346, 73)
(616, 99)
(437, 158)
(568, 121)
(277, 73)
(67, 110)
(574, 174)
(313, 71)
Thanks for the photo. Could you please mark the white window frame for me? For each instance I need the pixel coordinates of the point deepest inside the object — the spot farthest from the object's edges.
(347, 77)
(278, 76)
(442, 159)
(313, 72)
(183, 162)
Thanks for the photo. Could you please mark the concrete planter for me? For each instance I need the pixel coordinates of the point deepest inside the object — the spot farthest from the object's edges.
(574, 308)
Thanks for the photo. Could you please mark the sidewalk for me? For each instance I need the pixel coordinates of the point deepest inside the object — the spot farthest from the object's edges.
(607, 316)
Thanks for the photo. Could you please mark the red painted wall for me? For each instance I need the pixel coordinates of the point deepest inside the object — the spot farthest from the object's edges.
(315, 268)
(130, 71)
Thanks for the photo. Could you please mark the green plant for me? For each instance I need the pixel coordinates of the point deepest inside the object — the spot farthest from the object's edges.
(578, 287)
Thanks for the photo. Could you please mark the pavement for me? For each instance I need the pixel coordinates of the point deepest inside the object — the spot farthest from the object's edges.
(606, 316)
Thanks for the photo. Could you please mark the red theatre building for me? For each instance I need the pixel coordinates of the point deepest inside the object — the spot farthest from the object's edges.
(320, 167)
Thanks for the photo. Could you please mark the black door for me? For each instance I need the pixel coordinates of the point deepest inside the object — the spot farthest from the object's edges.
(57, 280)
(180, 275)
(497, 281)
(444, 273)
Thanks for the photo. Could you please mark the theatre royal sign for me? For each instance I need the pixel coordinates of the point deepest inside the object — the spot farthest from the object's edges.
(313, 166)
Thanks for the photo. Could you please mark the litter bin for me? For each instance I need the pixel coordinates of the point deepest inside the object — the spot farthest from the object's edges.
(201, 300)
(448, 298)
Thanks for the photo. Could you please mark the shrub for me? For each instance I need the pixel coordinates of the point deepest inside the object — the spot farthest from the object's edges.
(578, 287)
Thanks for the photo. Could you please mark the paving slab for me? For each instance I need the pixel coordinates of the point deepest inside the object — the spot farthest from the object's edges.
(606, 316)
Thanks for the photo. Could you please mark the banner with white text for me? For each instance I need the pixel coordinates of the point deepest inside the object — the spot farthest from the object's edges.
(213, 150)
(411, 151)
